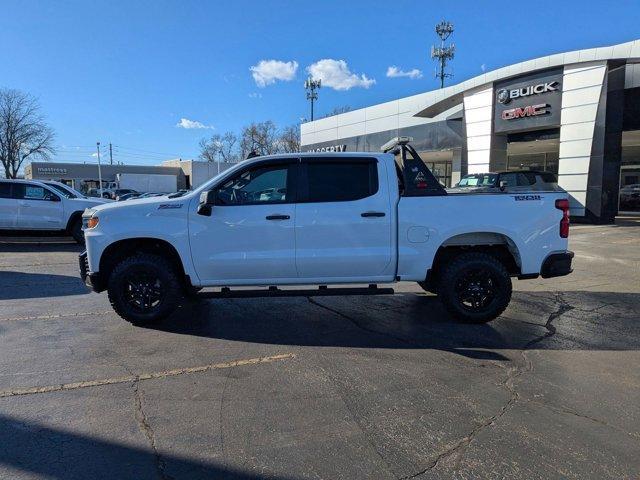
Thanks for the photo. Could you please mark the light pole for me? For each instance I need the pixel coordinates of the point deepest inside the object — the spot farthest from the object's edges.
(99, 169)
(443, 53)
(311, 86)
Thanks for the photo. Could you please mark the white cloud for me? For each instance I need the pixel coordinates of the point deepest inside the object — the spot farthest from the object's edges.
(255, 95)
(94, 155)
(192, 124)
(267, 72)
(395, 72)
(483, 67)
(336, 74)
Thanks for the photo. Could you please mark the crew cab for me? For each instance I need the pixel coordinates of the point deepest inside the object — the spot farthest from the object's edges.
(312, 219)
(42, 206)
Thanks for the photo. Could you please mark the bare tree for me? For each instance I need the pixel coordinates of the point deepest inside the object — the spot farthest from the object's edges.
(289, 139)
(260, 138)
(219, 148)
(338, 111)
(23, 132)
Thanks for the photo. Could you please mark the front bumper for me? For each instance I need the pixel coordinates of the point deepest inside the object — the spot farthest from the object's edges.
(91, 280)
(557, 265)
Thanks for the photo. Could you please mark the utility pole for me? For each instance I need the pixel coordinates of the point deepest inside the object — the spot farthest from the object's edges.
(311, 86)
(443, 53)
(99, 169)
(110, 154)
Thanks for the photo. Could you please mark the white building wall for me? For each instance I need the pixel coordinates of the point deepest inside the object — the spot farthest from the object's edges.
(478, 115)
(582, 87)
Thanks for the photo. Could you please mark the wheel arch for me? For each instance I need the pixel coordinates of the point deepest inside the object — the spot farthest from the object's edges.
(72, 218)
(121, 249)
(497, 244)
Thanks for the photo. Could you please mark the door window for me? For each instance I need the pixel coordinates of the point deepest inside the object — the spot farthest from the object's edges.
(341, 181)
(260, 185)
(5, 190)
(32, 192)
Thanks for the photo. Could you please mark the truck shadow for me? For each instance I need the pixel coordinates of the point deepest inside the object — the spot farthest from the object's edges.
(407, 321)
(21, 285)
(38, 449)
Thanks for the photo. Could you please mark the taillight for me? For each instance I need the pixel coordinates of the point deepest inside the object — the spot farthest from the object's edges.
(563, 204)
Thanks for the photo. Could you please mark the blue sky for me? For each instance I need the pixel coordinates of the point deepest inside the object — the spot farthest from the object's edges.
(128, 72)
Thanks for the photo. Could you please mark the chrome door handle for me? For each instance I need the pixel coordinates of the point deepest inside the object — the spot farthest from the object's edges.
(372, 214)
(277, 217)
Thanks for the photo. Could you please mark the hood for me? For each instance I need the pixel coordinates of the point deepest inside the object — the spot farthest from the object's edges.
(152, 203)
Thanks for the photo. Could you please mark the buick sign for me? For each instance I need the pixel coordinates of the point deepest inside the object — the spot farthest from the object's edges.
(528, 102)
(505, 96)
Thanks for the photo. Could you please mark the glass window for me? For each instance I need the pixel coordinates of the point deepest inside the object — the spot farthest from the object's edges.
(265, 184)
(31, 192)
(61, 190)
(5, 190)
(341, 181)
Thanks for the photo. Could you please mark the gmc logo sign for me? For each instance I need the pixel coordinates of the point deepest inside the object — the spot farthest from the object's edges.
(528, 111)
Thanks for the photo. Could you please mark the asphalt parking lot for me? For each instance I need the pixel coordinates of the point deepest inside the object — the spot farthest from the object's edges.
(348, 387)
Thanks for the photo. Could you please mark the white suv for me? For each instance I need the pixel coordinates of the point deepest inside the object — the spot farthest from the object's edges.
(34, 205)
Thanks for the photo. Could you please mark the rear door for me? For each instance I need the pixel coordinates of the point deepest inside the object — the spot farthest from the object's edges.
(38, 207)
(343, 220)
(8, 206)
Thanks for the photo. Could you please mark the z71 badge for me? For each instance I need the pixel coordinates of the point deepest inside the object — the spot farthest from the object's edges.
(524, 198)
(169, 205)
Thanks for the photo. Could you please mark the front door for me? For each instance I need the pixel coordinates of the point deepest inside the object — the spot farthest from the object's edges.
(343, 221)
(38, 207)
(249, 238)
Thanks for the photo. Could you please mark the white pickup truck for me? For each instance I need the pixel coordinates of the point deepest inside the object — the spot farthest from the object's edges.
(43, 206)
(325, 219)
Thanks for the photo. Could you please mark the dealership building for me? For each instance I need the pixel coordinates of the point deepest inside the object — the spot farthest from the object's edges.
(576, 114)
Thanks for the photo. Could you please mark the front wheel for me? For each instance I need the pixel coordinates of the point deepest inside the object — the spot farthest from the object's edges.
(76, 231)
(144, 288)
(475, 287)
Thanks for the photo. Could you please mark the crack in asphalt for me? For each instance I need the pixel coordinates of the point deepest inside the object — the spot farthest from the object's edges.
(147, 431)
(509, 384)
(143, 376)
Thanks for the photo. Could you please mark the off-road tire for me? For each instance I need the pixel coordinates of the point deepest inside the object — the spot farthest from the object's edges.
(456, 273)
(154, 266)
(75, 230)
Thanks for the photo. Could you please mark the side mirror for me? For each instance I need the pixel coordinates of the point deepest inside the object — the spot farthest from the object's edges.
(207, 201)
(54, 198)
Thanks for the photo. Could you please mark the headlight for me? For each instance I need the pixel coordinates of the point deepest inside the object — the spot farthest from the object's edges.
(92, 222)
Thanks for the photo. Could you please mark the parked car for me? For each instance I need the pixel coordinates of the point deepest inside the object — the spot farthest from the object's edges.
(323, 219)
(127, 196)
(34, 205)
(118, 192)
(512, 179)
(630, 197)
(95, 192)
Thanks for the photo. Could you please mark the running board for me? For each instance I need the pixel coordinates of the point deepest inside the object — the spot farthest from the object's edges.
(322, 291)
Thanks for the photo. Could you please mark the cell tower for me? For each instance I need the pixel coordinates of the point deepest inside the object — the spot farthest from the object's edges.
(443, 53)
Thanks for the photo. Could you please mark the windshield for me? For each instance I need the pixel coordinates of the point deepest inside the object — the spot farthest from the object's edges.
(479, 180)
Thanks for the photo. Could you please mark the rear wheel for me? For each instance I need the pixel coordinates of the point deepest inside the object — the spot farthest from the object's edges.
(144, 289)
(76, 231)
(475, 287)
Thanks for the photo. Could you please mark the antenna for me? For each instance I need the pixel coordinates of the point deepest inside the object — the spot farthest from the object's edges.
(443, 53)
(311, 86)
